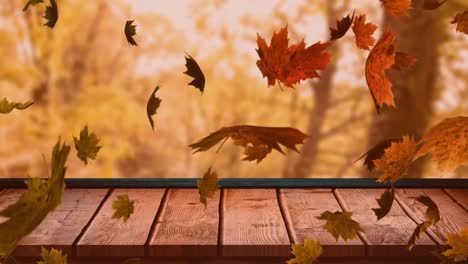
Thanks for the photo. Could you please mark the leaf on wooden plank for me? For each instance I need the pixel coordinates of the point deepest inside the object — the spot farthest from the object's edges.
(447, 142)
(432, 217)
(290, 64)
(381, 58)
(363, 32)
(53, 256)
(7, 106)
(342, 26)
(385, 203)
(87, 145)
(152, 106)
(257, 141)
(340, 224)
(208, 186)
(397, 158)
(403, 61)
(461, 20)
(307, 253)
(130, 31)
(194, 70)
(41, 197)
(32, 3)
(123, 207)
(459, 246)
(377, 152)
(397, 8)
(418, 231)
(51, 14)
(433, 4)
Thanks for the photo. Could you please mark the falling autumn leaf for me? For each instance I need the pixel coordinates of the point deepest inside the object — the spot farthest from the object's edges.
(377, 152)
(447, 142)
(51, 14)
(87, 145)
(432, 218)
(340, 224)
(403, 61)
(290, 64)
(418, 231)
(461, 20)
(257, 141)
(32, 3)
(307, 253)
(193, 70)
(152, 106)
(6, 106)
(363, 32)
(342, 26)
(433, 4)
(130, 31)
(385, 203)
(381, 57)
(395, 162)
(208, 186)
(123, 207)
(397, 8)
(459, 246)
(53, 256)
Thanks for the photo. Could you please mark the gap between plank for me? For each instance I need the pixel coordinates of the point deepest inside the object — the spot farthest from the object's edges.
(159, 213)
(286, 217)
(221, 208)
(85, 228)
(446, 192)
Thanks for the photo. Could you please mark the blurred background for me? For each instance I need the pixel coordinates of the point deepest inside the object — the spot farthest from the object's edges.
(84, 72)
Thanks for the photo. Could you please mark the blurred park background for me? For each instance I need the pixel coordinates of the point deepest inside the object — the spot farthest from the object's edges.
(84, 72)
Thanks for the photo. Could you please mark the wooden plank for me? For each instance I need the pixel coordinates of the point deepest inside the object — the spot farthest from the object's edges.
(185, 227)
(453, 216)
(389, 236)
(252, 224)
(460, 196)
(63, 225)
(302, 206)
(113, 237)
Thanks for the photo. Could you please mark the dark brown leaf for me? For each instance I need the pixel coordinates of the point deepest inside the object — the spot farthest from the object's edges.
(193, 70)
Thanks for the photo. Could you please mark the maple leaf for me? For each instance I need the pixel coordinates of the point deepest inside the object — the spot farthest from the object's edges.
(307, 253)
(51, 14)
(447, 141)
(432, 217)
(32, 3)
(208, 186)
(290, 64)
(342, 26)
(6, 106)
(41, 197)
(418, 231)
(363, 32)
(193, 70)
(381, 57)
(340, 224)
(377, 152)
(385, 203)
(152, 106)
(257, 141)
(403, 61)
(395, 162)
(53, 256)
(433, 4)
(123, 207)
(459, 244)
(87, 145)
(461, 19)
(130, 31)
(397, 8)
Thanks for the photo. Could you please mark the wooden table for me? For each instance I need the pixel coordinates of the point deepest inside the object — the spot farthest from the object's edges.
(238, 225)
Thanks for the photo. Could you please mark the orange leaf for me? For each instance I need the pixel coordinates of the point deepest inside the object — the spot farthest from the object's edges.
(403, 61)
(363, 32)
(342, 26)
(461, 19)
(381, 57)
(290, 64)
(433, 4)
(397, 8)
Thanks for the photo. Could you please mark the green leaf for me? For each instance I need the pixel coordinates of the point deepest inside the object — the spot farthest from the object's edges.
(6, 106)
(130, 31)
(32, 3)
(53, 256)
(193, 70)
(152, 106)
(208, 186)
(340, 224)
(51, 14)
(123, 207)
(87, 145)
(385, 203)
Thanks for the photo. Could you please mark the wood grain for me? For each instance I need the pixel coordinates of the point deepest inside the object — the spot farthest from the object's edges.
(63, 225)
(303, 206)
(459, 195)
(113, 237)
(453, 216)
(185, 227)
(253, 224)
(389, 236)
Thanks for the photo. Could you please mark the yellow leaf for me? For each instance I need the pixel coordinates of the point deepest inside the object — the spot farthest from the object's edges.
(448, 143)
(208, 186)
(123, 207)
(340, 224)
(307, 253)
(396, 160)
(6, 106)
(459, 244)
(53, 256)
